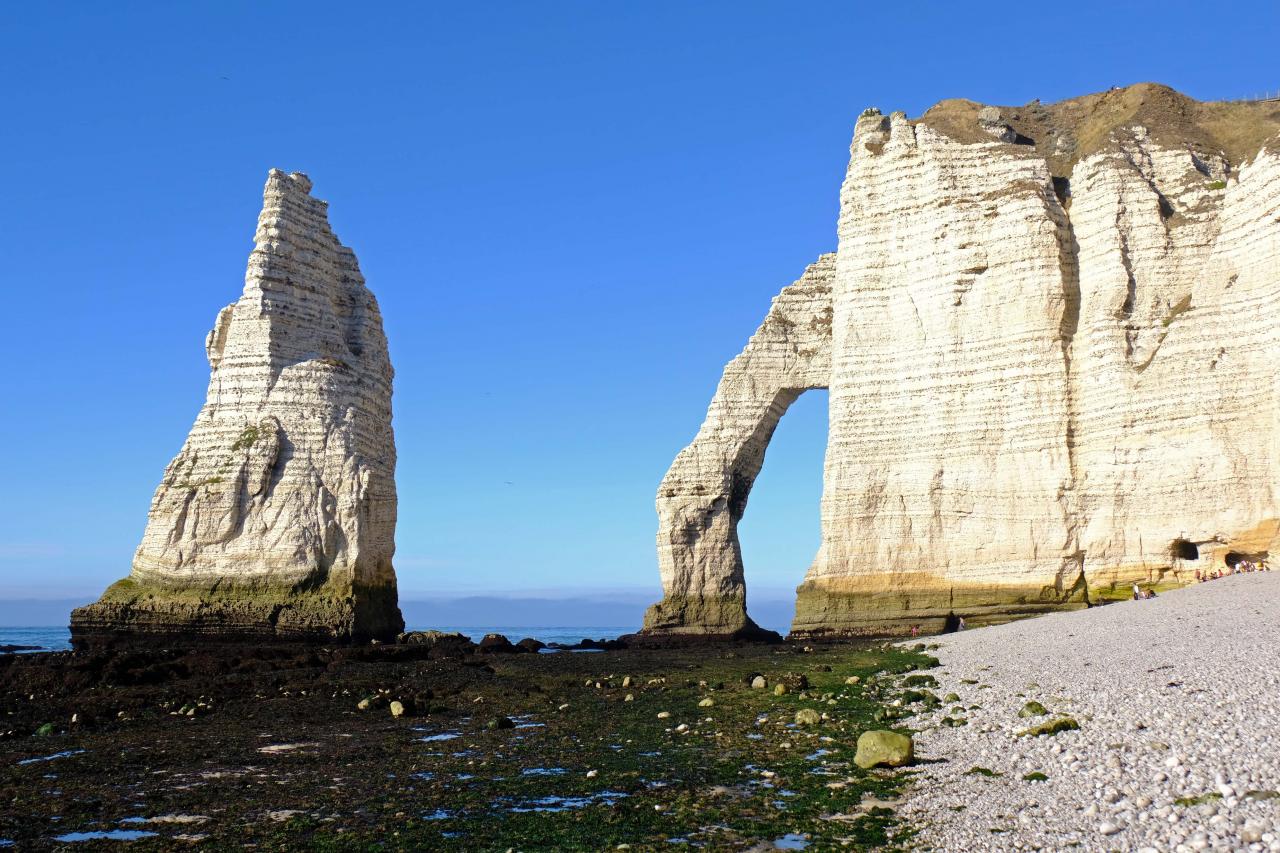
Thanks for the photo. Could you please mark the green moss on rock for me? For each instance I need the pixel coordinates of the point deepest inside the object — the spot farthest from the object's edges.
(1051, 727)
(882, 748)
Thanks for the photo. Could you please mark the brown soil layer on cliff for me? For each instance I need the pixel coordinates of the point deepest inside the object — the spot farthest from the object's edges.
(1066, 132)
(265, 745)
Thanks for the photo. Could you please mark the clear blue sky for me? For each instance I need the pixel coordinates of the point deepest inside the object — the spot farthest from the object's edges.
(573, 214)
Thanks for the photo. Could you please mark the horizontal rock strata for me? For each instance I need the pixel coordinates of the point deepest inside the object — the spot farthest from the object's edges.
(1051, 369)
(277, 517)
(704, 494)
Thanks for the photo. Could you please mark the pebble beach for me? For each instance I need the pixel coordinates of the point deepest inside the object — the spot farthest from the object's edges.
(1176, 699)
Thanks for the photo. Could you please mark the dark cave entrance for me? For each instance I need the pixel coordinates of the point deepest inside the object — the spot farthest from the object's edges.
(1185, 550)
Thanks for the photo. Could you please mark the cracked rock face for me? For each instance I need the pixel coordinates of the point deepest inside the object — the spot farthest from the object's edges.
(277, 517)
(1051, 362)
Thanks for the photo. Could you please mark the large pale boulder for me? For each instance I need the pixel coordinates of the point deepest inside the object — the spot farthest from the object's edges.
(277, 517)
(1052, 366)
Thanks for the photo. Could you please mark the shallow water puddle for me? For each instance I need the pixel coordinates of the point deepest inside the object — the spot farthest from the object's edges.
(440, 736)
(525, 721)
(169, 818)
(543, 771)
(276, 748)
(438, 814)
(814, 756)
(56, 755)
(791, 841)
(105, 835)
(562, 804)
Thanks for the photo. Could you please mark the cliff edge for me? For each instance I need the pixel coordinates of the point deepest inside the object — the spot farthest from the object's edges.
(1049, 334)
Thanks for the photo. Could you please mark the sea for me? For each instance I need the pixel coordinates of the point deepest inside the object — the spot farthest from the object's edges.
(53, 638)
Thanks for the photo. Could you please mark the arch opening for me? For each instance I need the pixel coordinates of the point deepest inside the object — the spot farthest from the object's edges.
(781, 532)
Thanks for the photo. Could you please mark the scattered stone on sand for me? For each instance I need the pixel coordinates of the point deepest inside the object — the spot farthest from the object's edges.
(759, 682)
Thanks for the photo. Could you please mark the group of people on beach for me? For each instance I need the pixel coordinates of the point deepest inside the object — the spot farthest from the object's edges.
(1236, 567)
(1239, 567)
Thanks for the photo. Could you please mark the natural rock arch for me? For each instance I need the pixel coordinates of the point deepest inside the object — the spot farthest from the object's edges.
(704, 494)
(1023, 301)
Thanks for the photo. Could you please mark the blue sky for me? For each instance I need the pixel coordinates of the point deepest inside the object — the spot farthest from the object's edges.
(572, 213)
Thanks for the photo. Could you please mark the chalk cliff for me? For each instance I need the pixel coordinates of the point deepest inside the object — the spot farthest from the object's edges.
(1050, 338)
(277, 517)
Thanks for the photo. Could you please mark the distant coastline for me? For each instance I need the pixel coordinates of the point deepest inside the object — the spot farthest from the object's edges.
(595, 616)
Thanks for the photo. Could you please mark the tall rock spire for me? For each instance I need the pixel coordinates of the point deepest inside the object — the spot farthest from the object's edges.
(277, 518)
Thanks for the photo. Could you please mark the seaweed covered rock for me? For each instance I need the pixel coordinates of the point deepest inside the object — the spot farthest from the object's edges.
(883, 748)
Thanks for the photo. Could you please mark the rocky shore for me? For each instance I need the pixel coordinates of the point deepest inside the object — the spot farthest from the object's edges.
(438, 743)
(1177, 700)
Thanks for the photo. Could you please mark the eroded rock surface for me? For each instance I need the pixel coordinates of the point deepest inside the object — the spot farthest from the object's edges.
(277, 517)
(1051, 361)
(703, 496)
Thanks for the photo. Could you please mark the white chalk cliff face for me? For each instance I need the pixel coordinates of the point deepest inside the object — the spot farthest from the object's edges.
(1052, 361)
(277, 517)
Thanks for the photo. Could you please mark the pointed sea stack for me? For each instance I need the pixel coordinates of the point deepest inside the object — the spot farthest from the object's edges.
(277, 518)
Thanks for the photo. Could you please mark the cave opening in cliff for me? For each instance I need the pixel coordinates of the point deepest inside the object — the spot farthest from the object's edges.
(1185, 550)
(780, 531)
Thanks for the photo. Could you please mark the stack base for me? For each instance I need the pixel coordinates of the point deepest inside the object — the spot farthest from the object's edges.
(933, 609)
(697, 620)
(131, 611)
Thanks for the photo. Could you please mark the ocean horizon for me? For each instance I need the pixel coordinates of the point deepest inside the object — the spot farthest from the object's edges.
(55, 638)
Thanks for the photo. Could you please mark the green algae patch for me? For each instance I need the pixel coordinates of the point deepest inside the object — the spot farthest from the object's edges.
(1033, 709)
(529, 787)
(982, 771)
(1051, 727)
(1198, 800)
(1035, 776)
